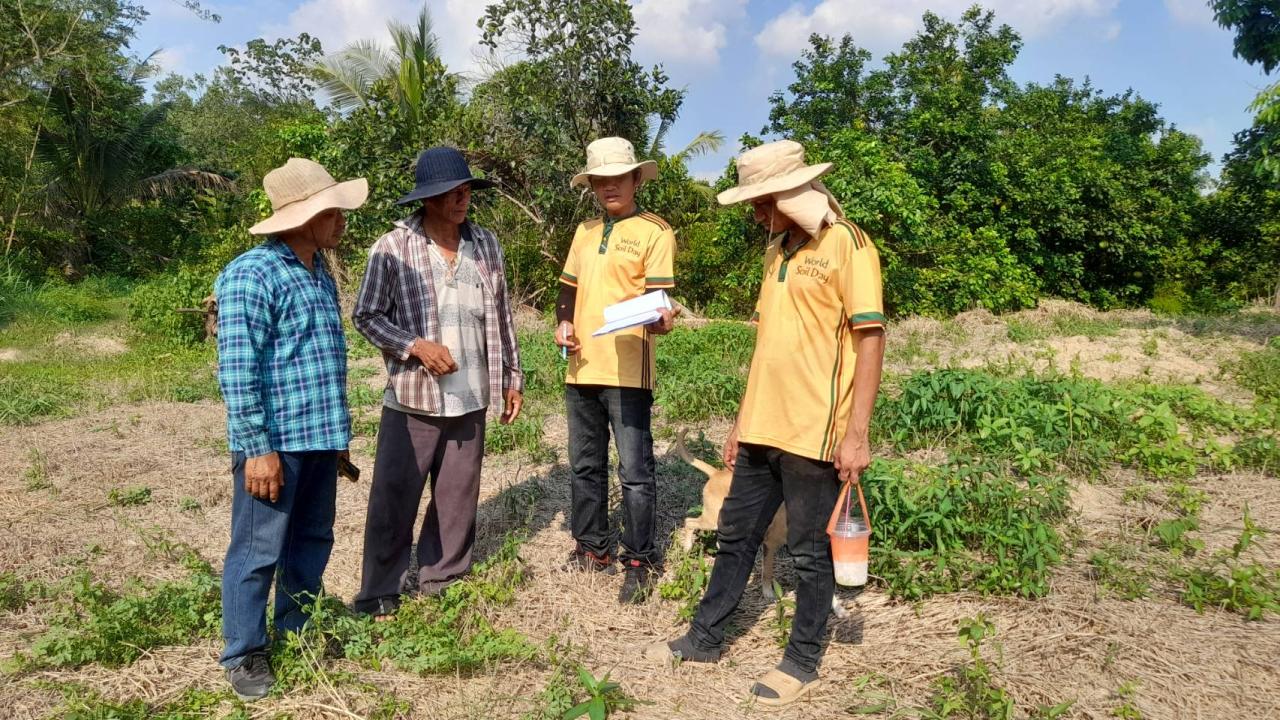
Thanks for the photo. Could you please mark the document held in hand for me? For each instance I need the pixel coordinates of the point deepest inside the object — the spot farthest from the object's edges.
(634, 312)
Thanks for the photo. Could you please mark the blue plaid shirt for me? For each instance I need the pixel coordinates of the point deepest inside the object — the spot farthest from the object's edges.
(282, 356)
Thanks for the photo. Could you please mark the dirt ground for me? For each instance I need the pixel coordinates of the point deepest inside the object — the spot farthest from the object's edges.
(1076, 644)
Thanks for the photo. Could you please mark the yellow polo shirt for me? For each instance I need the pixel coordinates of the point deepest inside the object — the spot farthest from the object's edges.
(636, 256)
(800, 392)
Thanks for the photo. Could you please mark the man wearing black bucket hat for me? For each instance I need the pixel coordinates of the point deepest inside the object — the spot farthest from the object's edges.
(434, 300)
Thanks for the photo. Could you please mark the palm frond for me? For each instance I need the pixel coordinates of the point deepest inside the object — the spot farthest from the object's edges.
(349, 75)
(167, 183)
(707, 141)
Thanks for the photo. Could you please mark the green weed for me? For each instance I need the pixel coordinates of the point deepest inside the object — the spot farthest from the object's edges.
(1117, 570)
(1127, 709)
(192, 704)
(964, 525)
(129, 497)
(189, 505)
(1227, 582)
(604, 698)
(449, 633)
(93, 624)
(1022, 332)
(703, 372)
(555, 699)
(971, 691)
(783, 610)
(688, 580)
(524, 434)
(14, 593)
(37, 473)
(1260, 372)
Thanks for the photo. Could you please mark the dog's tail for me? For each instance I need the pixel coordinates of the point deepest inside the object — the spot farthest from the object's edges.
(683, 453)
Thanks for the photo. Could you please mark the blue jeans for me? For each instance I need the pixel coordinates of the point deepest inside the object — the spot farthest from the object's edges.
(288, 540)
(592, 411)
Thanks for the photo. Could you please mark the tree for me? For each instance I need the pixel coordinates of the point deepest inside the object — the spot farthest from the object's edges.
(1257, 27)
(411, 69)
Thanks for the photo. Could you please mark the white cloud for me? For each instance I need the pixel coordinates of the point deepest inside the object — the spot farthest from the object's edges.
(1191, 12)
(882, 25)
(339, 22)
(685, 31)
(171, 60)
(1112, 31)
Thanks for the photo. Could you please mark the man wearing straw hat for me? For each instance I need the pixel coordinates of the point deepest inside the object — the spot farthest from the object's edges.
(622, 255)
(282, 366)
(434, 299)
(802, 427)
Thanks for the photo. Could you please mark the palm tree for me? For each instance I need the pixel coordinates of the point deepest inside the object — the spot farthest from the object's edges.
(410, 68)
(95, 165)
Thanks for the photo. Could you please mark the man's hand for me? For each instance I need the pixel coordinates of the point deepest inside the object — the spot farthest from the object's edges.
(435, 357)
(263, 476)
(566, 339)
(665, 325)
(511, 407)
(852, 457)
(730, 453)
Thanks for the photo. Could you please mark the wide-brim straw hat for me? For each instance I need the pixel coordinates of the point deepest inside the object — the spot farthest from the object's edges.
(611, 157)
(302, 189)
(439, 170)
(772, 168)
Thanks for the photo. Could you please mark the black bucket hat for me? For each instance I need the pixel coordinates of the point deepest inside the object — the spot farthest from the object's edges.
(439, 170)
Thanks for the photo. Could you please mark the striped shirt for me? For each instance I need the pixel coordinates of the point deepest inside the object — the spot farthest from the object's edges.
(282, 357)
(397, 305)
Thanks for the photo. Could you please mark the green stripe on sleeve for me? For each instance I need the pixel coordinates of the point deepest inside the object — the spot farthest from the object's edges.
(866, 317)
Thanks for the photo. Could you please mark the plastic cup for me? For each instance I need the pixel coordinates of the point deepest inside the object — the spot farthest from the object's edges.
(850, 541)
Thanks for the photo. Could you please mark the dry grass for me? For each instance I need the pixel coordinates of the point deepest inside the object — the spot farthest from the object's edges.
(1076, 644)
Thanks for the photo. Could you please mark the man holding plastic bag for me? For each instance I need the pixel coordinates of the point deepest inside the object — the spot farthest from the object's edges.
(802, 430)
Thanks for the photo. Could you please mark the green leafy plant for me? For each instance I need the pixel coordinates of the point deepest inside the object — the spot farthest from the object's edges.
(1117, 569)
(129, 497)
(603, 698)
(37, 473)
(1127, 709)
(688, 580)
(1225, 581)
(93, 624)
(783, 611)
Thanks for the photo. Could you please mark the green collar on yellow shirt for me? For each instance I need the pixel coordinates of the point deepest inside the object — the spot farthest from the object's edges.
(609, 222)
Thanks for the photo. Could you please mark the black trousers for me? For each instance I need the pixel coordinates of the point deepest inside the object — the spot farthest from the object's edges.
(763, 479)
(592, 411)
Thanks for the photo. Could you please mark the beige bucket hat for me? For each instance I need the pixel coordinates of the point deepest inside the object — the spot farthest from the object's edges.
(772, 168)
(610, 157)
(302, 189)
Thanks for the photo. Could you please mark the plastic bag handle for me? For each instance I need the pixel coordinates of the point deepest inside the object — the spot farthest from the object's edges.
(844, 501)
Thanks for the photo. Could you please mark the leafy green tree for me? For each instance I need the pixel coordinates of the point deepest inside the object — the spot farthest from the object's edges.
(1257, 27)
(101, 151)
(411, 70)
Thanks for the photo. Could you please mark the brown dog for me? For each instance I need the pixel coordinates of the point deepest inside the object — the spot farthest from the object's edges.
(713, 495)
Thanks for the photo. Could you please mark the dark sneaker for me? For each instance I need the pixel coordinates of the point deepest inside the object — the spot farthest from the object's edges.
(638, 583)
(587, 560)
(252, 679)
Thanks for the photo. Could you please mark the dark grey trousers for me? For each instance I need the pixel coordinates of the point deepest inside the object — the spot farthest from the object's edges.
(411, 449)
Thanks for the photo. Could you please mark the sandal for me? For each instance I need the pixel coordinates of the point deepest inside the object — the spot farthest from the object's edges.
(777, 688)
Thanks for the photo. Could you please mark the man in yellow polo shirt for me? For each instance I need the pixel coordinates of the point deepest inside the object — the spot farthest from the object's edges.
(620, 256)
(803, 424)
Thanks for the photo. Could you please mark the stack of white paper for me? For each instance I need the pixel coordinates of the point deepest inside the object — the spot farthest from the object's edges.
(634, 312)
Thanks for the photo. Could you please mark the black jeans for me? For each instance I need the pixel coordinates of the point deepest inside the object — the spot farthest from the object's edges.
(592, 411)
(763, 479)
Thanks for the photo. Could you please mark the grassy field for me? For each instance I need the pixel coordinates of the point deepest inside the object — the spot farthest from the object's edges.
(1073, 517)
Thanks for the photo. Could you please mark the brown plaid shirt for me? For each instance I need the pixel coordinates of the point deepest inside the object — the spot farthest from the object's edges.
(397, 305)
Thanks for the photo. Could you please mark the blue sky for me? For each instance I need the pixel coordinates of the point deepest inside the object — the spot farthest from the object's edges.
(731, 54)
